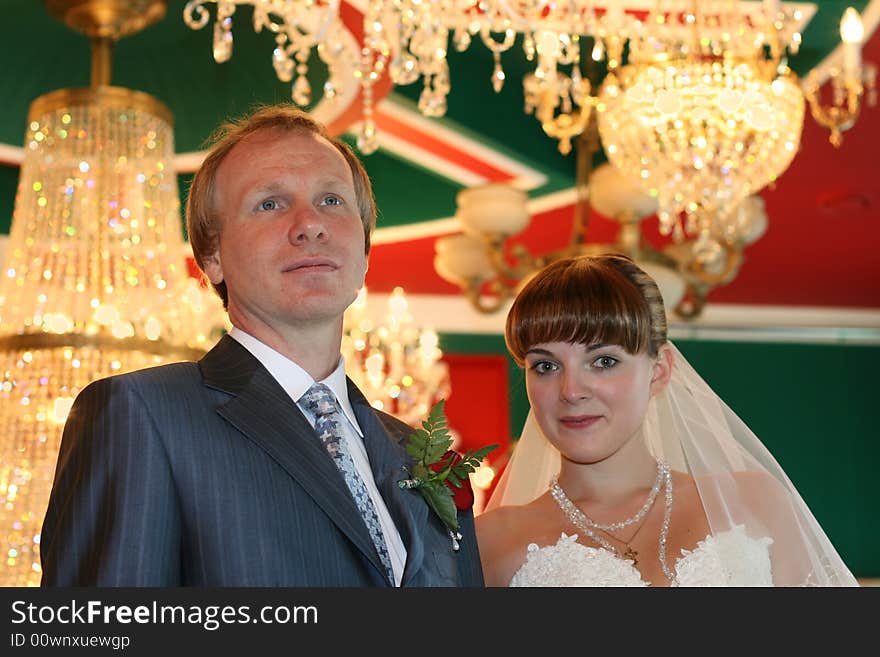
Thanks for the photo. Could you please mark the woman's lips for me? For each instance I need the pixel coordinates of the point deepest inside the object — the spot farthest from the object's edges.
(579, 421)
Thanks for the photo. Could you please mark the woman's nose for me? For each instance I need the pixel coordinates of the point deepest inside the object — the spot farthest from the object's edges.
(575, 387)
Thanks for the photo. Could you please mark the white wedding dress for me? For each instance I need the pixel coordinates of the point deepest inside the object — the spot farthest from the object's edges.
(569, 563)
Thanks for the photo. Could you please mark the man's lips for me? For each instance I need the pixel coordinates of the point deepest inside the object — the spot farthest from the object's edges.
(312, 264)
(579, 421)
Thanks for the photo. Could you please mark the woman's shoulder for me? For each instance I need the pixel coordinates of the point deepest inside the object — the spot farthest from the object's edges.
(686, 489)
(506, 518)
(503, 535)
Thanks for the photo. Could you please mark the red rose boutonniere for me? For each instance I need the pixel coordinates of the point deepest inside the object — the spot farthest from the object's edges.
(463, 492)
(440, 474)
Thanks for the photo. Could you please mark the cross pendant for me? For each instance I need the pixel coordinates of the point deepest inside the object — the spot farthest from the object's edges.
(631, 554)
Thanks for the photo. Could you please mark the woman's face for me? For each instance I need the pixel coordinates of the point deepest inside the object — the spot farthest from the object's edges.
(590, 400)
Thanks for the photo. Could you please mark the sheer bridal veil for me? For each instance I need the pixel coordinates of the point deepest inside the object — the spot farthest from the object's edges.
(739, 482)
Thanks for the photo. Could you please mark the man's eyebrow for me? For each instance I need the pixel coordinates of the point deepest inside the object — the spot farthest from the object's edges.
(267, 187)
(335, 181)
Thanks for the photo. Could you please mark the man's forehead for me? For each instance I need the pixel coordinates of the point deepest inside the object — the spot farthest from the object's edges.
(269, 136)
(268, 141)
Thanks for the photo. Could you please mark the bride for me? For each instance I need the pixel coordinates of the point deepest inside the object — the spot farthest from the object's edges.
(630, 471)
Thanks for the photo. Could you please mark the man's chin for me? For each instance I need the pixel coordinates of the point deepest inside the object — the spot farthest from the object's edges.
(318, 307)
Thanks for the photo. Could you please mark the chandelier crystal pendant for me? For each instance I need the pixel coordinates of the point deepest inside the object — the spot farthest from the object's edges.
(700, 116)
(706, 122)
(408, 41)
(304, 31)
(490, 267)
(95, 280)
(698, 105)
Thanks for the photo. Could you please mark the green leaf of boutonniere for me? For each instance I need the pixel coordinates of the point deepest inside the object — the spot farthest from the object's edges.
(428, 444)
(441, 475)
(440, 499)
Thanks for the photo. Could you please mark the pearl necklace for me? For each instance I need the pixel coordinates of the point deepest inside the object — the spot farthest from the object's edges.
(580, 520)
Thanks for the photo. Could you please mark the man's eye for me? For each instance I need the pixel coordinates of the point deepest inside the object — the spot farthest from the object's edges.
(269, 204)
(331, 200)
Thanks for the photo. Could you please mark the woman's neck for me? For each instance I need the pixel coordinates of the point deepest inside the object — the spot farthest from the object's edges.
(616, 478)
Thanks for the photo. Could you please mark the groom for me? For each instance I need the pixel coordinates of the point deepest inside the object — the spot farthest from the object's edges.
(262, 464)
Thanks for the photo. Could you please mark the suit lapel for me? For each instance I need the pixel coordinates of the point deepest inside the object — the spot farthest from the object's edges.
(389, 461)
(262, 411)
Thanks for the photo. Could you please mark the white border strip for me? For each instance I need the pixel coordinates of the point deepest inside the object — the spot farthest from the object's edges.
(189, 162)
(424, 158)
(183, 162)
(554, 200)
(11, 155)
(415, 231)
(525, 177)
(447, 313)
(719, 322)
(447, 225)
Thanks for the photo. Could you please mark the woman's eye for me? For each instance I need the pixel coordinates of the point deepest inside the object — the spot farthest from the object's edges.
(269, 204)
(543, 367)
(605, 362)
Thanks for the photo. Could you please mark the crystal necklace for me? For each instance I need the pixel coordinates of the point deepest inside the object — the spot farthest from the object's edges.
(579, 519)
(615, 526)
(629, 552)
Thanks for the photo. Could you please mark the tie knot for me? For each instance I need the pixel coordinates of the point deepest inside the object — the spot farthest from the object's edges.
(320, 400)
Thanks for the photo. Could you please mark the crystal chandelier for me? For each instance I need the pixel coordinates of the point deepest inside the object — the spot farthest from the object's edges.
(490, 268)
(94, 280)
(398, 366)
(696, 105)
(395, 363)
(657, 53)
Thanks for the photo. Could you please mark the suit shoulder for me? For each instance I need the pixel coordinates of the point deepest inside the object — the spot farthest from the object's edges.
(170, 375)
(398, 429)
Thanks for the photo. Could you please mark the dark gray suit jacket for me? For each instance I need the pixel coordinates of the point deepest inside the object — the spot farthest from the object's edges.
(208, 474)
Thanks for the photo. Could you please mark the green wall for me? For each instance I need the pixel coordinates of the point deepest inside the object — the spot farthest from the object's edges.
(812, 405)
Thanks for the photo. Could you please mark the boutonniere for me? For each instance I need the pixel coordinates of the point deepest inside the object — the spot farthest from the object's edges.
(440, 474)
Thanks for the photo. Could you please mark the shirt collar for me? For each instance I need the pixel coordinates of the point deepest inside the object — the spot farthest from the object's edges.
(293, 378)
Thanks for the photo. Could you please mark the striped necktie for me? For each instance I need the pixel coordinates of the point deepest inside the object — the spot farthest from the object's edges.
(321, 401)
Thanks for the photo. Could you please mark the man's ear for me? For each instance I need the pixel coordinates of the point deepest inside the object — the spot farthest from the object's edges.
(366, 268)
(212, 267)
(662, 369)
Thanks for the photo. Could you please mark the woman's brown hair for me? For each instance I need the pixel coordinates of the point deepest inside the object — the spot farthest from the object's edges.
(605, 299)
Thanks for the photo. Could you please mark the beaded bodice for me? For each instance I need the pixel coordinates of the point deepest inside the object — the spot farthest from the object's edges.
(731, 558)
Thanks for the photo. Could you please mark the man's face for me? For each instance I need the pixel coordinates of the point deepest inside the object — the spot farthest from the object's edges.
(291, 246)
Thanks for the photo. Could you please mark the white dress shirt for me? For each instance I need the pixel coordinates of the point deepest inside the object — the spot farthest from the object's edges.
(296, 381)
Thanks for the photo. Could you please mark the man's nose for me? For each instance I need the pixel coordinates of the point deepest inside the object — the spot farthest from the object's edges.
(307, 225)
